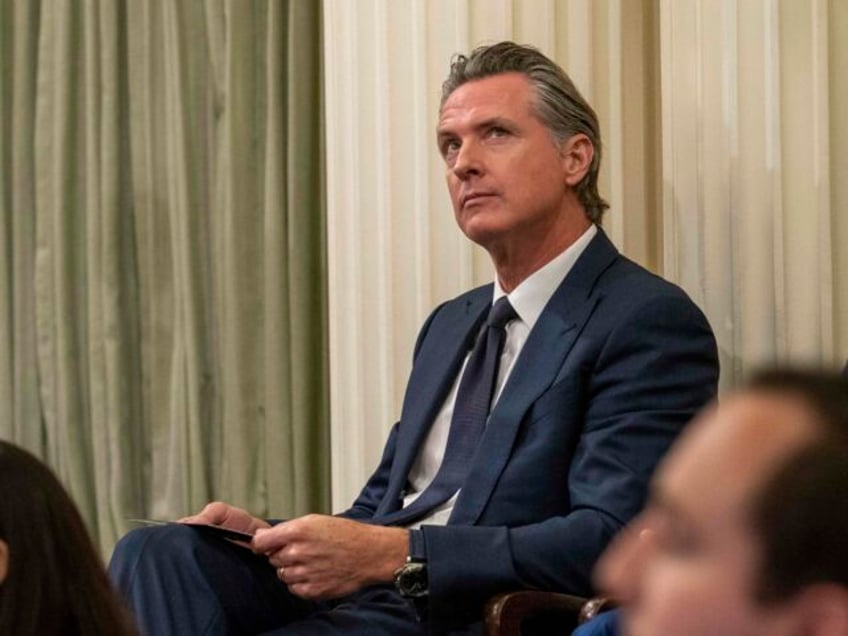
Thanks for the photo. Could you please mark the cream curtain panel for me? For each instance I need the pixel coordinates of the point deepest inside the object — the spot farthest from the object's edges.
(162, 304)
(754, 147)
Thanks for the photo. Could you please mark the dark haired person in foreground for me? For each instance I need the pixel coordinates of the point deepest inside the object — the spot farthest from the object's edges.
(51, 579)
(536, 409)
(745, 531)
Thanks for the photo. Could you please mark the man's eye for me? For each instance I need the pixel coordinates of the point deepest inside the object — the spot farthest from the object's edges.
(671, 536)
(676, 542)
(497, 131)
(449, 147)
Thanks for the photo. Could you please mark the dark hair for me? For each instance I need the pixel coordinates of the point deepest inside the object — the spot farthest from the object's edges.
(55, 581)
(801, 514)
(558, 105)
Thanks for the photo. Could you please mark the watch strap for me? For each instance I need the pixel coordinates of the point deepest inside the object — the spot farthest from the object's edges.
(417, 547)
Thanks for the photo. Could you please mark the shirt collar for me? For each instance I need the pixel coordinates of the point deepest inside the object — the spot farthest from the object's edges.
(534, 292)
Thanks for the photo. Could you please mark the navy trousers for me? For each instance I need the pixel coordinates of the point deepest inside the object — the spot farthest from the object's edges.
(181, 581)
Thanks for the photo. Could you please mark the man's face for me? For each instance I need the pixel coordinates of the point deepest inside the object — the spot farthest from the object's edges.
(507, 177)
(688, 565)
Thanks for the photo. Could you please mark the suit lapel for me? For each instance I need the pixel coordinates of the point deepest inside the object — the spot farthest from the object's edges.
(536, 369)
(433, 373)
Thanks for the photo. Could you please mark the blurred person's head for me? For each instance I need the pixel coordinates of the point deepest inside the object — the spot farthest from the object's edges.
(746, 530)
(52, 580)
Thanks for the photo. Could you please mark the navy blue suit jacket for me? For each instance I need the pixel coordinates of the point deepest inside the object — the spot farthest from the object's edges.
(618, 362)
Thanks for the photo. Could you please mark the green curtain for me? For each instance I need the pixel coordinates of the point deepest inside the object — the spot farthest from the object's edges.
(162, 266)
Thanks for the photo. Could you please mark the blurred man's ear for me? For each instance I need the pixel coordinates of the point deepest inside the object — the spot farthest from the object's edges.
(823, 610)
(4, 560)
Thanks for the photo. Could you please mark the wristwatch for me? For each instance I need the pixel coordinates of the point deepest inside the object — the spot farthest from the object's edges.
(411, 579)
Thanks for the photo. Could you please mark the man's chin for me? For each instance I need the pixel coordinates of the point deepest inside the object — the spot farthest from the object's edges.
(478, 221)
(484, 234)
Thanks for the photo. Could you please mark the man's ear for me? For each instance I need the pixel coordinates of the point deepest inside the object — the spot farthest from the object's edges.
(4, 560)
(823, 610)
(577, 153)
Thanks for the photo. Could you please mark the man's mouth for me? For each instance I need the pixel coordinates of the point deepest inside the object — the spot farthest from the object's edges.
(474, 197)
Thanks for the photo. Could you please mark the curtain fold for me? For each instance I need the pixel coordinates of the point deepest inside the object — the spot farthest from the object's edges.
(752, 222)
(162, 294)
(19, 401)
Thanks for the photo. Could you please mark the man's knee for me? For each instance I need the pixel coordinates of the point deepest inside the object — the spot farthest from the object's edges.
(151, 546)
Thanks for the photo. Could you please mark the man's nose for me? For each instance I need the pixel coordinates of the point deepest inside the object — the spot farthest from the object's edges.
(468, 161)
(620, 570)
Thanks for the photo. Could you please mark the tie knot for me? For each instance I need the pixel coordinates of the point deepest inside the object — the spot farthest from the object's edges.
(501, 313)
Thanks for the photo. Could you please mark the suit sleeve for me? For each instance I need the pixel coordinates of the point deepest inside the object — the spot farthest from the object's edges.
(646, 377)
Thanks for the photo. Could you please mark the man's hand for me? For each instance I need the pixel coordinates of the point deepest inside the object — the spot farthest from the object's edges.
(321, 557)
(221, 514)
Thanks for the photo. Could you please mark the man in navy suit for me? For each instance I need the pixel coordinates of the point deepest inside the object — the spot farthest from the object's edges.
(744, 534)
(591, 366)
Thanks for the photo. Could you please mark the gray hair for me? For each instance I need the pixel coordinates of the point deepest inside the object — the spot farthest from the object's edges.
(558, 104)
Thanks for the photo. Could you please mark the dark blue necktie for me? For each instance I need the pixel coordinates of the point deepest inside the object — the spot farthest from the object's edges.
(470, 412)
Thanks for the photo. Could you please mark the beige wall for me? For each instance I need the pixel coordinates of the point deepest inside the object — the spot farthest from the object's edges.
(723, 123)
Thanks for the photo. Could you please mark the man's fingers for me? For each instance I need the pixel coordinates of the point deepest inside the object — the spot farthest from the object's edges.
(218, 513)
(297, 580)
(309, 591)
(278, 560)
(270, 540)
(215, 513)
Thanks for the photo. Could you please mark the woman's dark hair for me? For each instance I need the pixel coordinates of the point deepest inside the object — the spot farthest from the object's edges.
(55, 582)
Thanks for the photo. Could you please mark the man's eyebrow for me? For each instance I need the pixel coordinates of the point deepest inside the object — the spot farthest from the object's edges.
(503, 122)
(492, 122)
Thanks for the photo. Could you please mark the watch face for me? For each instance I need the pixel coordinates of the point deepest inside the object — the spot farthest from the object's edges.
(411, 580)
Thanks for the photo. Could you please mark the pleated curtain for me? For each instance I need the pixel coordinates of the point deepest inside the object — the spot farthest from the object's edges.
(162, 283)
